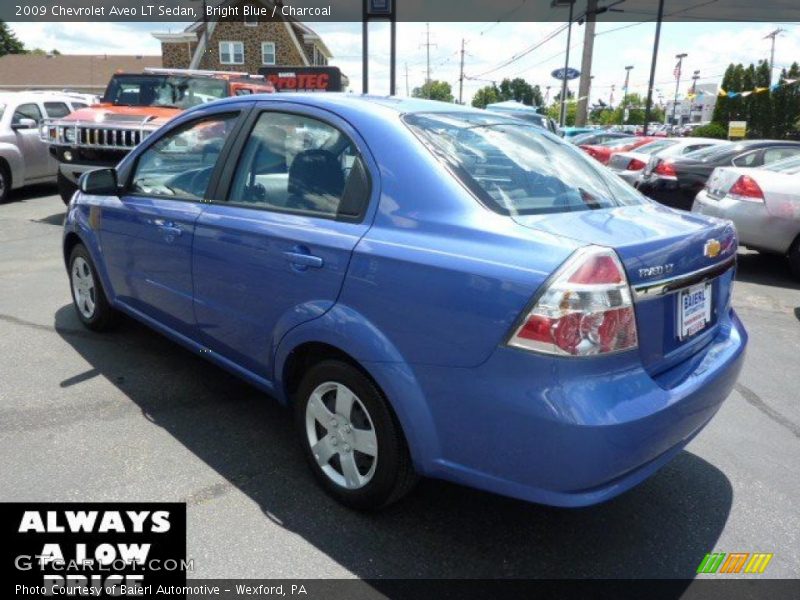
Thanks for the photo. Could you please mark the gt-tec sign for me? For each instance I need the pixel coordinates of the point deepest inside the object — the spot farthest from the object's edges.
(303, 79)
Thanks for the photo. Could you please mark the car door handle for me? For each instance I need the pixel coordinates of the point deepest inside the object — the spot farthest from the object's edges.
(168, 228)
(303, 259)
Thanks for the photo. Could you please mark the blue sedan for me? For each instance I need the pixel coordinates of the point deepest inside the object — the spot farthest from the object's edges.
(435, 291)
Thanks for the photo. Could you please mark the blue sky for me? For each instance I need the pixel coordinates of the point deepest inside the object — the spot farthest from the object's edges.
(710, 47)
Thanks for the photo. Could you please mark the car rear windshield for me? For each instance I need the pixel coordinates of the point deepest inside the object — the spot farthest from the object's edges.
(711, 153)
(519, 169)
(164, 90)
(789, 165)
(657, 146)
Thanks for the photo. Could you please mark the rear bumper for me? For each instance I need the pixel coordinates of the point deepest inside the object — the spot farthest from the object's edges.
(756, 227)
(573, 432)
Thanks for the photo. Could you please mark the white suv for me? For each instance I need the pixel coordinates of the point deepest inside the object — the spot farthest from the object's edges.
(24, 158)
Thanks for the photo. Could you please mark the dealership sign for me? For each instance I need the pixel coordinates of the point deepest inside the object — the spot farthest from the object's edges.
(568, 73)
(303, 79)
(737, 129)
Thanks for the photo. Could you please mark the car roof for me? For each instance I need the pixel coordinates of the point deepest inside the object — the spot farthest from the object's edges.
(28, 96)
(343, 100)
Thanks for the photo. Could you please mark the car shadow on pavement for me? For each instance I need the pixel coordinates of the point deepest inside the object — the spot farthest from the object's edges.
(765, 269)
(33, 192)
(662, 528)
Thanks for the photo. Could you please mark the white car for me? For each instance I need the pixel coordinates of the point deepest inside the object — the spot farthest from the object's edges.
(763, 203)
(24, 158)
(633, 165)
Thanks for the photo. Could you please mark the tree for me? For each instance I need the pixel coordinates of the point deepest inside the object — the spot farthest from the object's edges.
(554, 112)
(786, 104)
(434, 90)
(759, 121)
(9, 44)
(486, 95)
(521, 91)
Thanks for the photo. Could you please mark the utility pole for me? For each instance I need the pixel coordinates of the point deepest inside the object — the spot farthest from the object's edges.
(586, 64)
(772, 35)
(461, 76)
(563, 114)
(625, 90)
(428, 45)
(547, 94)
(407, 94)
(649, 102)
(678, 68)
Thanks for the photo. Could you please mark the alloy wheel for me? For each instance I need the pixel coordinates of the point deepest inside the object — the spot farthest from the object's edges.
(341, 435)
(83, 288)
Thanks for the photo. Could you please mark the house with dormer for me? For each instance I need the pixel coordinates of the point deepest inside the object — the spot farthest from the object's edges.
(243, 43)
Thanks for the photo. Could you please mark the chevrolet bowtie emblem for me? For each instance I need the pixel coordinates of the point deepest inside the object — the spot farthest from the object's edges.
(712, 248)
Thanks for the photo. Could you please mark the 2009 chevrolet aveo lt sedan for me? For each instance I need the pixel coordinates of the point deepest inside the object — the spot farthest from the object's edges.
(435, 290)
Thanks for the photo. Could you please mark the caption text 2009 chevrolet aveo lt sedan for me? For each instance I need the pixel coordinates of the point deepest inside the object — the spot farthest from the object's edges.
(435, 290)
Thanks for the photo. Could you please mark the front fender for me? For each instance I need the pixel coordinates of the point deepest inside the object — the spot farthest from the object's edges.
(81, 220)
(347, 330)
(16, 164)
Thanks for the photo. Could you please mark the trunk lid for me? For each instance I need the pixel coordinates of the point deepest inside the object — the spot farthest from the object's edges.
(721, 181)
(658, 245)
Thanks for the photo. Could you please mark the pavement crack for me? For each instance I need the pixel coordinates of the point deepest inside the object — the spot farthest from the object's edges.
(49, 328)
(755, 400)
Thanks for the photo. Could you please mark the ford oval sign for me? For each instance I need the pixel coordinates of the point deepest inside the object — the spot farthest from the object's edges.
(568, 73)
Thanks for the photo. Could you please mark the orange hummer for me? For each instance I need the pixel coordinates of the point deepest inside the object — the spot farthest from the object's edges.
(133, 106)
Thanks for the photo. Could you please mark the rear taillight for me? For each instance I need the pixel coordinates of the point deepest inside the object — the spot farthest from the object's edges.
(635, 165)
(746, 189)
(665, 169)
(585, 310)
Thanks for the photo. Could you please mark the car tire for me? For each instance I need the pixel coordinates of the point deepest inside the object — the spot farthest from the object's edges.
(88, 296)
(5, 182)
(65, 187)
(794, 258)
(342, 418)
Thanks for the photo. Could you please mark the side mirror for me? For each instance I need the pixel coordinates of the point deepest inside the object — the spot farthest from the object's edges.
(99, 182)
(24, 124)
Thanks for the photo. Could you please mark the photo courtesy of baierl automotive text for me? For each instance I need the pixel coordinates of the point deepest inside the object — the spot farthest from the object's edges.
(355, 299)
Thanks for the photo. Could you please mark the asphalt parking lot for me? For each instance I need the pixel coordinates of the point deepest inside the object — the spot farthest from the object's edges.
(130, 416)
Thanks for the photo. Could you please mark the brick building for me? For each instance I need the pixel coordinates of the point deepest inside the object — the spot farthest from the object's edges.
(238, 43)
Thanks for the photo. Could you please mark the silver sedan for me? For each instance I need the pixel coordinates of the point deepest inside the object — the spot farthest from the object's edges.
(763, 203)
(631, 165)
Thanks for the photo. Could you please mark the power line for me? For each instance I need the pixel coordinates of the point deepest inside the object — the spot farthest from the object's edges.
(524, 52)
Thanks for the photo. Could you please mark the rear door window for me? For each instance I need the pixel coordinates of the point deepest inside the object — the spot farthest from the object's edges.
(56, 110)
(749, 159)
(298, 164)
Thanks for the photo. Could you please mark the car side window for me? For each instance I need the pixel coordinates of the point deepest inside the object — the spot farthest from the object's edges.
(292, 163)
(746, 160)
(180, 164)
(56, 110)
(775, 154)
(27, 111)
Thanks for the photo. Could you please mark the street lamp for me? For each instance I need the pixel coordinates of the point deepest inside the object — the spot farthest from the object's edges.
(680, 58)
(625, 91)
(554, 4)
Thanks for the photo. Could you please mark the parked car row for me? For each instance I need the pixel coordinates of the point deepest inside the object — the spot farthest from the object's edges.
(754, 183)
